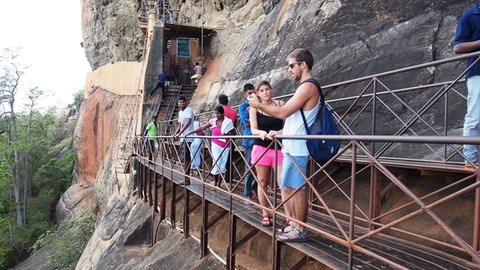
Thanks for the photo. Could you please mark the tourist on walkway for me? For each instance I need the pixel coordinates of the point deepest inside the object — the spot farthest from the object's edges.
(230, 113)
(306, 97)
(197, 70)
(151, 131)
(160, 83)
(185, 125)
(467, 39)
(264, 155)
(243, 113)
(219, 125)
(196, 150)
(177, 72)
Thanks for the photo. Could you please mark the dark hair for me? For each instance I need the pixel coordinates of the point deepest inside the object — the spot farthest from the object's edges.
(302, 55)
(247, 87)
(219, 109)
(223, 99)
(260, 84)
(182, 98)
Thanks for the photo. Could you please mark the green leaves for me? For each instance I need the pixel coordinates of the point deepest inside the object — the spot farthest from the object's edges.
(36, 164)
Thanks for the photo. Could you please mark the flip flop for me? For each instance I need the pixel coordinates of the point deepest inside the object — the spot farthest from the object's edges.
(302, 236)
(266, 221)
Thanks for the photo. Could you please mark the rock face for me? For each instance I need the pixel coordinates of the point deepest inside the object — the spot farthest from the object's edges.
(111, 31)
(349, 39)
(96, 130)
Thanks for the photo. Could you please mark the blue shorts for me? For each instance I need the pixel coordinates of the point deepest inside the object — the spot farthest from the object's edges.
(291, 176)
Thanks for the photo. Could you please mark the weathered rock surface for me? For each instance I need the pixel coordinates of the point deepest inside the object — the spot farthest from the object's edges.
(349, 39)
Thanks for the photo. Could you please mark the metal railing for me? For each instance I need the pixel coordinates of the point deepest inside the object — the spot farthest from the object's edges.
(349, 205)
(370, 105)
(372, 199)
(161, 9)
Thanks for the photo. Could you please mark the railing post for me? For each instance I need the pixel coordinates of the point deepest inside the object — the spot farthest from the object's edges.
(186, 211)
(232, 242)
(476, 222)
(204, 228)
(353, 187)
(374, 196)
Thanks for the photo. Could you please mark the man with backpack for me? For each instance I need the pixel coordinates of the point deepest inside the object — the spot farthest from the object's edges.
(307, 98)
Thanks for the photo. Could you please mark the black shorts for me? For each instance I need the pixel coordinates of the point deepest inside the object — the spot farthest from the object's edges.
(185, 151)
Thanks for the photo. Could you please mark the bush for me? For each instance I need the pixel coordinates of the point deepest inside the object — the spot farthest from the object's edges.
(68, 242)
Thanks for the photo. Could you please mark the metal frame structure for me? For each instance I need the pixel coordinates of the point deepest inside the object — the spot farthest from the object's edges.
(363, 211)
(338, 213)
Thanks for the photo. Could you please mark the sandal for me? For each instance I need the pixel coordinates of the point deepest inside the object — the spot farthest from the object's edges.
(225, 186)
(213, 185)
(468, 166)
(266, 221)
(285, 229)
(287, 237)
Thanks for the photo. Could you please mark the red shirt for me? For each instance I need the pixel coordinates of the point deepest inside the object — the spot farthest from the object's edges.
(230, 113)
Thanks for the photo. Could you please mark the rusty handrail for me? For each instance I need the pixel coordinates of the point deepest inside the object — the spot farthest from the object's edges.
(338, 217)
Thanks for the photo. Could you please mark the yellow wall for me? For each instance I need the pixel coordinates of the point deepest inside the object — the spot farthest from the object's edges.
(122, 78)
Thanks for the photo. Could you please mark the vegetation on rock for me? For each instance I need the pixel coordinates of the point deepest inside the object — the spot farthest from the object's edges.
(36, 163)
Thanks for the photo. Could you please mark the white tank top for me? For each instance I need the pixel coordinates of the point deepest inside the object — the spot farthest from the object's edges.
(294, 126)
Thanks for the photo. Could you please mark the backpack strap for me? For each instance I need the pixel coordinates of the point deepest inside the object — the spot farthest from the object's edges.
(304, 120)
(322, 100)
(319, 88)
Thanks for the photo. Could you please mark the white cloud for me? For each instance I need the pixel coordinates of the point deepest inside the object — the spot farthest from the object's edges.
(50, 34)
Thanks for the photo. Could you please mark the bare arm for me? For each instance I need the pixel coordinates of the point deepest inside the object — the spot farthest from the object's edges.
(306, 97)
(176, 131)
(466, 47)
(254, 123)
(205, 126)
(182, 128)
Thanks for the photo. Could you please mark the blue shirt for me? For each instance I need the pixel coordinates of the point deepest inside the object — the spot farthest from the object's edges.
(244, 117)
(468, 29)
(162, 77)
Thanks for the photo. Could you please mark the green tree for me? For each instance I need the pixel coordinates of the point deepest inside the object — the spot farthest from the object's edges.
(36, 164)
(12, 72)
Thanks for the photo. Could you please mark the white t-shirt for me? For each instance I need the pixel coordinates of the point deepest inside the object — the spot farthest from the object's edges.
(294, 126)
(187, 113)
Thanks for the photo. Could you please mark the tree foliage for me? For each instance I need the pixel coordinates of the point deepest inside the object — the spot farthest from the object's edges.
(34, 169)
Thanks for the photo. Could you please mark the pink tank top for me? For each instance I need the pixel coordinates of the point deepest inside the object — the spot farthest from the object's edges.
(216, 131)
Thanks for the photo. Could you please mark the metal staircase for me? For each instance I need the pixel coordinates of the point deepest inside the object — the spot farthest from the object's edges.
(168, 109)
(162, 9)
(126, 132)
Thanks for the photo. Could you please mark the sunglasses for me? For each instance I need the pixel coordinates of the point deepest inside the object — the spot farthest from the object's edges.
(293, 64)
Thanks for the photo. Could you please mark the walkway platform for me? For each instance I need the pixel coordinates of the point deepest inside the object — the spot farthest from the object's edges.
(399, 253)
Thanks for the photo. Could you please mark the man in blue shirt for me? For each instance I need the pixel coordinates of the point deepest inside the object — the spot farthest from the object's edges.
(467, 40)
(160, 83)
(250, 183)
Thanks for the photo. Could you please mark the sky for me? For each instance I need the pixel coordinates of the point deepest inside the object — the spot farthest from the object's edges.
(49, 33)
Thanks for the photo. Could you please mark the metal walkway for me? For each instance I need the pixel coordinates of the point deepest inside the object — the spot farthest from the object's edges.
(341, 238)
(384, 202)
